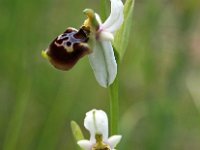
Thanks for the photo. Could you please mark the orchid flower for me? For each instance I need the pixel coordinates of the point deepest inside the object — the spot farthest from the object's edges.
(96, 122)
(102, 59)
(94, 39)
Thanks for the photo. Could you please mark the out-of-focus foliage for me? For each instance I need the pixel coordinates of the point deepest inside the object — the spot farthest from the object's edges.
(122, 36)
(159, 77)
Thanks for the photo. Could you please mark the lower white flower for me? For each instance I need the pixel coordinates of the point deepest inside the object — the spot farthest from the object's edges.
(96, 122)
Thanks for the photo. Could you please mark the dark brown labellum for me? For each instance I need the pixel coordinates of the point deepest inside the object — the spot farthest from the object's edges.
(68, 48)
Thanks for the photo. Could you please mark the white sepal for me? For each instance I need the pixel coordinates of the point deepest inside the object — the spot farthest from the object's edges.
(96, 122)
(114, 140)
(85, 144)
(116, 18)
(103, 63)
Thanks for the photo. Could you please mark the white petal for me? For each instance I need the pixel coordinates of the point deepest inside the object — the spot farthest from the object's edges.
(85, 144)
(115, 26)
(116, 18)
(96, 122)
(114, 140)
(106, 36)
(103, 63)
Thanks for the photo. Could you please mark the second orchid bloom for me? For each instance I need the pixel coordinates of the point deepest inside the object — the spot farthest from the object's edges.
(94, 39)
(96, 122)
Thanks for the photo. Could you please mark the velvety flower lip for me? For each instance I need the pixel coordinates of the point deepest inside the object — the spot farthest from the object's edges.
(67, 48)
(96, 122)
(102, 59)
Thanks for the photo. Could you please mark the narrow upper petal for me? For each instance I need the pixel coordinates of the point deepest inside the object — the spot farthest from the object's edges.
(103, 63)
(116, 18)
(114, 140)
(85, 144)
(96, 122)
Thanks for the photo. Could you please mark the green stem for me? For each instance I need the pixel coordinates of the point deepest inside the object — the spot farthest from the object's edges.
(114, 107)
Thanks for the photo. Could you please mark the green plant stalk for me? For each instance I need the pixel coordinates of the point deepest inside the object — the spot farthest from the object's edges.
(114, 106)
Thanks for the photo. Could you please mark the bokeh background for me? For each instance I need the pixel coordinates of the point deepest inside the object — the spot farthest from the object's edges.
(159, 77)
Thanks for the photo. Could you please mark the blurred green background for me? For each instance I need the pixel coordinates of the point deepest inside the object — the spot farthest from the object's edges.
(159, 77)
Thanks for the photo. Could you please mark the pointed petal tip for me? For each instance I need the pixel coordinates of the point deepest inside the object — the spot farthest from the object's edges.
(114, 140)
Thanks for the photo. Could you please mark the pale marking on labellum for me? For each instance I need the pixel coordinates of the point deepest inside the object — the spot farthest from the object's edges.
(68, 47)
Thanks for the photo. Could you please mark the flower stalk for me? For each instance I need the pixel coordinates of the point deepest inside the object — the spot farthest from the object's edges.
(114, 107)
